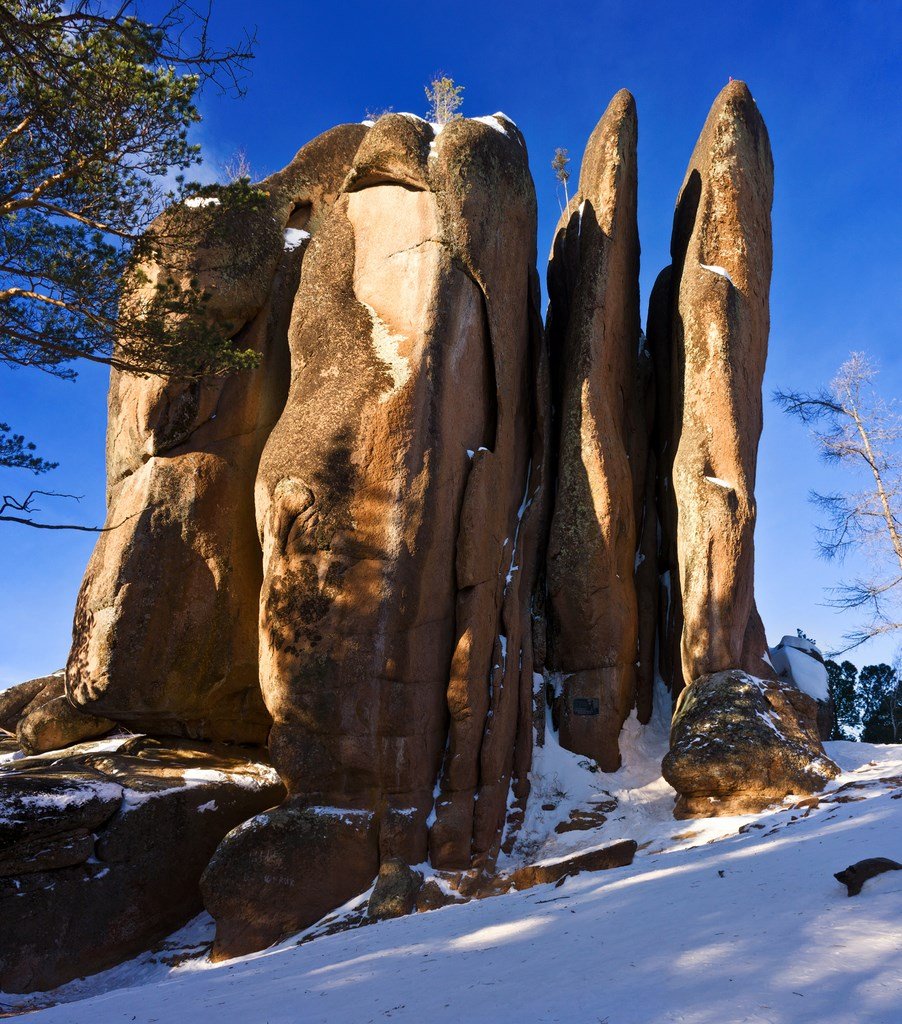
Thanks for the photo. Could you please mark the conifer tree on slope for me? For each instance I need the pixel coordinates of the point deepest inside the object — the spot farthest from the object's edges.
(95, 109)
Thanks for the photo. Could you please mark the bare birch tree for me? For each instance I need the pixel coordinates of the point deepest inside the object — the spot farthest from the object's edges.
(857, 430)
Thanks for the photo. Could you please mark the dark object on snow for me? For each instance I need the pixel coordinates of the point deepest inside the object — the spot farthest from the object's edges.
(855, 875)
(397, 887)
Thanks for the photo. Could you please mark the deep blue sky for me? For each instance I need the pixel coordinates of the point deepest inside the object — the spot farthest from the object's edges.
(827, 79)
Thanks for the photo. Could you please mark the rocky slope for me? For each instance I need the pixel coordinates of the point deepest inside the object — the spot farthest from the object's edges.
(748, 924)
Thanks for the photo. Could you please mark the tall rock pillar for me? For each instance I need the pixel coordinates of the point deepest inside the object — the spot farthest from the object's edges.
(593, 336)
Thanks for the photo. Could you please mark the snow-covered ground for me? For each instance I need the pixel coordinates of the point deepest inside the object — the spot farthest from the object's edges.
(708, 926)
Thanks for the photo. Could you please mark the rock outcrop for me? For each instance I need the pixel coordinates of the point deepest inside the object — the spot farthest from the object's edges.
(400, 503)
(593, 338)
(617, 855)
(42, 718)
(797, 660)
(353, 549)
(396, 890)
(719, 286)
(165, 632)
(739, 740)
(15, 699)
(101, 850)
(738, 743)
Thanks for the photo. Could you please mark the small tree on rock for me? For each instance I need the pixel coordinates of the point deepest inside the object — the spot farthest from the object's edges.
(562, 173)
(445, 99)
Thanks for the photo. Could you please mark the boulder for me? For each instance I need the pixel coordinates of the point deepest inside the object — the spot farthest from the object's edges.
(396, 891)
(181, 463)
(720, 278)
(15, 699)
(283, 870)
(49, 721)
(739, 743)
(101, 850)
(593, 338)
(617, 855)
(855, 875)
(400, 502)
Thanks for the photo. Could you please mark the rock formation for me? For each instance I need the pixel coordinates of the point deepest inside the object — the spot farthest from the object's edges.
(165, 632)
(360, 549)
(719, 285)
(797, 660)
(400, 502)
(708, 331)
(101, 850)
(738, 743)
(41, 717)
(593, 338)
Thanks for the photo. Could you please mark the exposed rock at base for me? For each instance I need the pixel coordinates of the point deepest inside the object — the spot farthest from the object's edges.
(101, 850)
(396, 891)
(282, 870)
(593, 337)
(165, 632)
(49, 721)
(15, 699)
(435, 895)
(617, 855)
(739, 743)
(722, 254)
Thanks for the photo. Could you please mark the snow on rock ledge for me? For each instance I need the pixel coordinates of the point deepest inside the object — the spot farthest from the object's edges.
(101, 850)
(799, 662)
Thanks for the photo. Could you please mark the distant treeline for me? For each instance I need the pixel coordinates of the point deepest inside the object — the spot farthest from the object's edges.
(867, 704)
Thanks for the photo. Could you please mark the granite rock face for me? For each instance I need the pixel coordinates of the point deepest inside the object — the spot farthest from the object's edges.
(593, 338)
(385, 547)
(41, 717)
(738, 740)
(400, 502)
(719, 285)
(165, 631)
(101, 850)
(739, 743)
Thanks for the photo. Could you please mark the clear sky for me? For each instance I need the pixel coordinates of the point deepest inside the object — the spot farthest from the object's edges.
(826, 76)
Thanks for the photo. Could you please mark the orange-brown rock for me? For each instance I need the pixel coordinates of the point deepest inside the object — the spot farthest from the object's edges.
(165, 632)
(15, 699)
(617, 855)
(48, 721)
(593, 332)
(738, 743)
(400, 503)
(722, 254)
